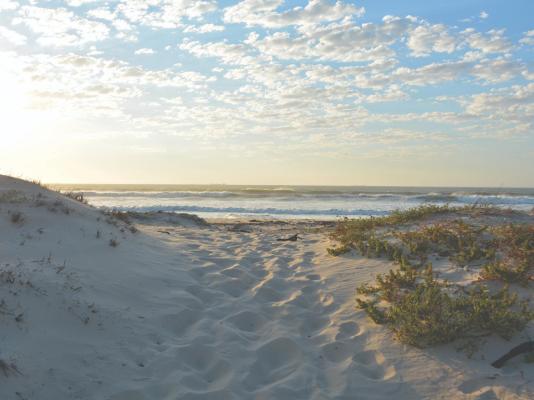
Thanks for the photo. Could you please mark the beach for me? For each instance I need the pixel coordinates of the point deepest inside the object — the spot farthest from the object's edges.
(172, 306)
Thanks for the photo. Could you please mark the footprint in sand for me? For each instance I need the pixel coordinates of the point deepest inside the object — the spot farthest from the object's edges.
(313, 324)
(269, 295)
(349, 329)
(232, 286)
(314, 300)
(197, 356)
(199, 272)
(205, 296)
(479, 388)
(371, 364)
(275, 361)
(258, 271)
(181, 322)
(336, 352)
(248, 321)
(235, 272)
(215, 378)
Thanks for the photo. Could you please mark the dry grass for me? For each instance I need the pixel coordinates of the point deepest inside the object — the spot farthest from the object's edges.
(12, 196)
(16, 217)
(77, 196)
(9, 368)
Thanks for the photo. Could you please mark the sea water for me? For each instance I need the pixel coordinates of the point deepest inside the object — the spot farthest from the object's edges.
(278, 202)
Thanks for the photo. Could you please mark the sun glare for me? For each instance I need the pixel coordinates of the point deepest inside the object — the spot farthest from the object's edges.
(13, 103)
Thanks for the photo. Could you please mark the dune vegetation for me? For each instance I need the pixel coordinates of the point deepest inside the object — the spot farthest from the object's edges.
(490, 252)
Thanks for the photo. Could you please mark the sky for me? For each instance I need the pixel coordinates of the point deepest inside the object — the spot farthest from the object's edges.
(318, 92)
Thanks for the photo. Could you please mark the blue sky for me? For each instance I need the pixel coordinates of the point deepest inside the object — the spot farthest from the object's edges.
(268, 91)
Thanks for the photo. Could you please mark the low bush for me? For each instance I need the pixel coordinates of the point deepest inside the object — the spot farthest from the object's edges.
(17, 217)
(423, 311)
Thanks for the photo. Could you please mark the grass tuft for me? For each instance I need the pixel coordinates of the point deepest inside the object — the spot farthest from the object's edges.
(77, 196)
(17, 218)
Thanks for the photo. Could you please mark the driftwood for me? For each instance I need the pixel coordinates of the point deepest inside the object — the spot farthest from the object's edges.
(525, 347)
(290, 238)
(239, 228)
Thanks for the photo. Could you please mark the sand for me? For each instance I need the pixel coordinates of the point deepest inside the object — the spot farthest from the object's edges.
(185, 310)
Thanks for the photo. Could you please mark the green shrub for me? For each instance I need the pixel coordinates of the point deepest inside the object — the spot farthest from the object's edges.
(336, 251)
(504, 272)
(423, 311)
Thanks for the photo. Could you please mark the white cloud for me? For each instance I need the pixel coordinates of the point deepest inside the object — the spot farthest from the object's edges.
(515, 103)
(9, 5)
(431, 74)
(499, 70)
(343, 41)
(483, 15)
(227, 52)
(144, 51)
(491, 42)
(313, 70)
(164, 14)
(205, 28)
(102, 13)
(528, 38)
(59, 27)
(426, 38)
(265, 13)
(78, 3)
(12, 37)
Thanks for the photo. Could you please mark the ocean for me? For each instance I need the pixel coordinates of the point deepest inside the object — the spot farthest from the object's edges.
(281, 202)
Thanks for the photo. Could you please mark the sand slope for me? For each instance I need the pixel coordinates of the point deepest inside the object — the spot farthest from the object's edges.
(196, 312)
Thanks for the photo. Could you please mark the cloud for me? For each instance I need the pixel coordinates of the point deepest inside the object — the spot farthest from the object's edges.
(491, 42)
(144, 51)
(319, 71)
(424, 39)
(164, 14)
(265, 13)
(498, 70)
(343, 41)
(59, 27)
(205, 28)
(227, 52)
(483, 15)
(102, 13)
(528, 38)
(9, 5)
(509, 111)
(431, 74)
(12, 37)
(78, 3)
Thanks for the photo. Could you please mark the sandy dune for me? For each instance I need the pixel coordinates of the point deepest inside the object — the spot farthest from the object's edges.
(204, 312)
